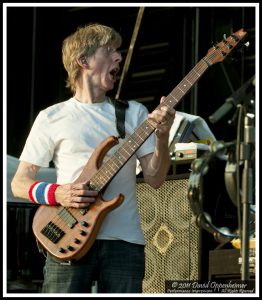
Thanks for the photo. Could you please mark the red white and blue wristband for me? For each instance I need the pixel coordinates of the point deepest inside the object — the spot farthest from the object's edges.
(43, 193)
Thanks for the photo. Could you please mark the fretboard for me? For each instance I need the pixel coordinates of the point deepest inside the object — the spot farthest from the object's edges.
(113, 165)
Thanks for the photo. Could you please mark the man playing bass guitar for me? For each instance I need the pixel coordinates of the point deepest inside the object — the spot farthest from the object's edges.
(68, 133)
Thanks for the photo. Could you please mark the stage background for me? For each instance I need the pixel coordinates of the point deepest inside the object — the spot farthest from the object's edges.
(170, 41)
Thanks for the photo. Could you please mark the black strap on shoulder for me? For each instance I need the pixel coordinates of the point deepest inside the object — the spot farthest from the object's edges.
(120, 111)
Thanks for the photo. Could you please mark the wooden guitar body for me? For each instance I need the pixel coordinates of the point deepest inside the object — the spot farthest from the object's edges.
(68, 233)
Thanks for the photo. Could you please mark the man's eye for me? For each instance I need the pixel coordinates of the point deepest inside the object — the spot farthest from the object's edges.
(111, 49)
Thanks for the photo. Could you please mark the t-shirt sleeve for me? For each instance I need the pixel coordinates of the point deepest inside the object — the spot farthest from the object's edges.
(39, 147)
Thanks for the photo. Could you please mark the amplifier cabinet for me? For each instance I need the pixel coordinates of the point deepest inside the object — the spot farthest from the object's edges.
(172, 239)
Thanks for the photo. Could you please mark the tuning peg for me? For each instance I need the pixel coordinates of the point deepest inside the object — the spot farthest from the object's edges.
(247, 44)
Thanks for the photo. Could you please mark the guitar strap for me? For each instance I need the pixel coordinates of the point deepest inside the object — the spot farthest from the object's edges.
(120, 112)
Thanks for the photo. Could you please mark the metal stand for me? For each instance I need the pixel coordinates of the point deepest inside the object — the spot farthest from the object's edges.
(247, 191)
(245, 151)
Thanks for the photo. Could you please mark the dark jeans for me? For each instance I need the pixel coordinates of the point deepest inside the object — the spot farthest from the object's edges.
(117, 266)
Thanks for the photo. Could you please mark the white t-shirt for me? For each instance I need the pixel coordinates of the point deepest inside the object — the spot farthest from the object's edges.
(68, 132)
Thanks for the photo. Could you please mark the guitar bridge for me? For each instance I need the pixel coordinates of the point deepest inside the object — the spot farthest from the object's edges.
(52, 232)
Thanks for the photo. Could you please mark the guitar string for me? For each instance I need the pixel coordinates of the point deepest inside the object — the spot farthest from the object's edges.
(68, 239)
(199, 69)
(101, 180)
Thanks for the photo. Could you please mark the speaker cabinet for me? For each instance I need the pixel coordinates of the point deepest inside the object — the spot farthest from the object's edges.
(172, 239)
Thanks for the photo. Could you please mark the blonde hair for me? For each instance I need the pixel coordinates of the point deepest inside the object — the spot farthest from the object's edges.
(84, 42)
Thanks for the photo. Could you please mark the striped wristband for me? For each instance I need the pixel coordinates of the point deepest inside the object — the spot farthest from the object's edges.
(43, 193)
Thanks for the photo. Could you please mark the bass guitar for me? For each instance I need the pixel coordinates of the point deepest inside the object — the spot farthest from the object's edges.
(68, 233)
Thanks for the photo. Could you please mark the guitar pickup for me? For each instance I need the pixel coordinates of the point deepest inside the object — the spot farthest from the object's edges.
(67, 217)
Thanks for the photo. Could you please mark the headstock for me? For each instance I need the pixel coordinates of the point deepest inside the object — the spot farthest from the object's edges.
(221, 50)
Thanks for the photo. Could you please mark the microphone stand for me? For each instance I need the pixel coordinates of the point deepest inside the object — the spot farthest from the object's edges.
(245, 152)
(231, 102)
(247, 190)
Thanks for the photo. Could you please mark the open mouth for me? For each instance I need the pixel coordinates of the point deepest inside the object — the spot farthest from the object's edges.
(113, 73)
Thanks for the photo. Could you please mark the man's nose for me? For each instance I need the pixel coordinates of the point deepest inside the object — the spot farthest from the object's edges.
(117, 56)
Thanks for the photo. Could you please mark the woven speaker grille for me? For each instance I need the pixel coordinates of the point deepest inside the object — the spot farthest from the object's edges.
(172, 240)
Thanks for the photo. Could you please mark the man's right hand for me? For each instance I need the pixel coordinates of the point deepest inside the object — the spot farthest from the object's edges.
(76, 195)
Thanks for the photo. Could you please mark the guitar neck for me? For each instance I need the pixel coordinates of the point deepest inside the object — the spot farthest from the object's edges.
(113, 165)
(185, 85)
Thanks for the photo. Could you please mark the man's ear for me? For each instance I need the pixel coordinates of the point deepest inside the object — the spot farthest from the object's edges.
(82, 61)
